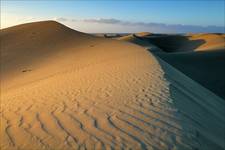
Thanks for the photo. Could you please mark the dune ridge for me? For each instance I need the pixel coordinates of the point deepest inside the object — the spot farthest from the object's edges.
(104, 94)
(189, 42)
(199, 56)
(178, 43)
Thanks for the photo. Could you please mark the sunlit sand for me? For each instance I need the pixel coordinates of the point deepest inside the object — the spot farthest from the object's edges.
(62, 89)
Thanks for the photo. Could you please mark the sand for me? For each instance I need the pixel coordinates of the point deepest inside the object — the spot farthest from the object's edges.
(62, 89)
(199, 56)
(205, 67)
(140, 39)
(189, 42)
(133, 38)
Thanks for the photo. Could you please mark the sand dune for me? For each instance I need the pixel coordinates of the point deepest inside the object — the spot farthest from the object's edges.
(191, 42)
(205, 67)
(68, 90)
(199, 56)
(29, 46)
(135, 36)
(211, 41)
(133, 39)
(179, 43)
(140, 39)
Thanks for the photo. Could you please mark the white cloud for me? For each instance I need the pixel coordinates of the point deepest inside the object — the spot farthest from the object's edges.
(116, 25)
(107, 25)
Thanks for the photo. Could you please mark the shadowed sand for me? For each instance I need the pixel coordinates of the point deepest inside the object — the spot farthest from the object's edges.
(190, 42)
(206, 67)
(62, 89)
(199, 56)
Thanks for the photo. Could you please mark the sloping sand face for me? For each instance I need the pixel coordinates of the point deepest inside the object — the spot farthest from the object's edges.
(210, 41)
(205, 67)
(199, 56)
(108, 95)
(178, 43)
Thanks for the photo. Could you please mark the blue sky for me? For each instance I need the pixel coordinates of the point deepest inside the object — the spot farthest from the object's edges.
(199, 13)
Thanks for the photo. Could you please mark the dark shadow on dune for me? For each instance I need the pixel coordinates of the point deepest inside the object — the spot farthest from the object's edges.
(172, 43)
(26, 70)
(206, 67)
(196, 107)
(187, 99)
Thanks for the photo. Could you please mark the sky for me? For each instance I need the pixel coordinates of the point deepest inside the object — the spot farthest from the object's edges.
(107, 16)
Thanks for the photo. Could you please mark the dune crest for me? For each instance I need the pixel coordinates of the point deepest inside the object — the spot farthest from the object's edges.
(96, 93)
(199, 56)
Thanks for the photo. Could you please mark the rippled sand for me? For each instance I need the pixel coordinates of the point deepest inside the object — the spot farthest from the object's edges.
(74, 91)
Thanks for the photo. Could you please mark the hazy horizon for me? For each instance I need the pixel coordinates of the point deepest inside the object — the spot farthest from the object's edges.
(120, 16)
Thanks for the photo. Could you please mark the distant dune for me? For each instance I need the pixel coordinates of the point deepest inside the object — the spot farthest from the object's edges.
(140, 39)
(191, 42)
(133, 38)
(62, 89)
